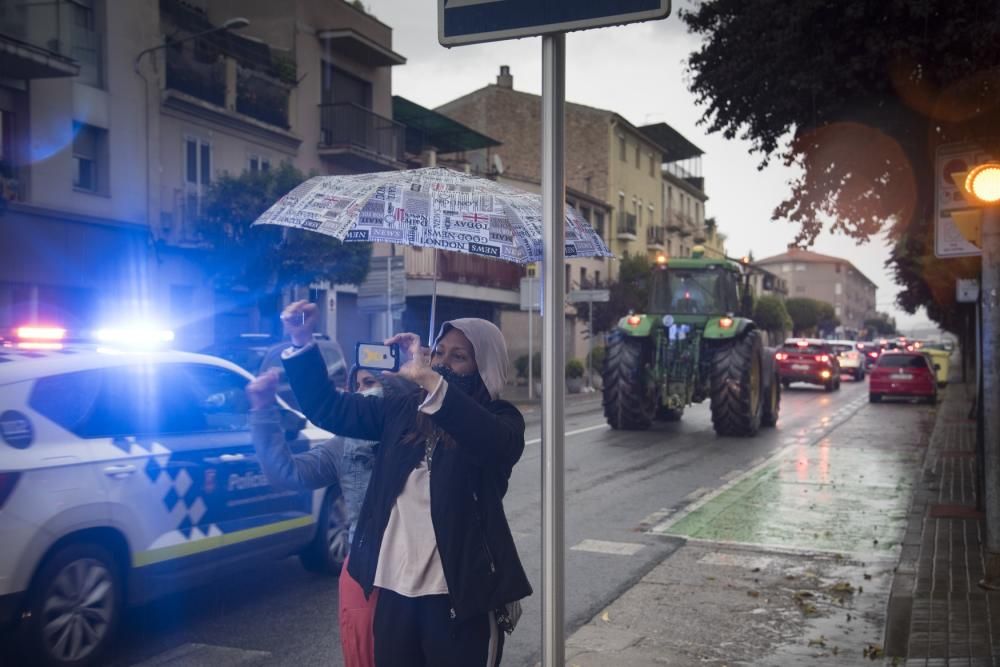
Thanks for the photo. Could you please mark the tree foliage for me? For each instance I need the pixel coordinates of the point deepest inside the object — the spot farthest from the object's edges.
(770, 314)
(882, 325)
(805, 314)
(269, 257)
(629, 292)
(859, 94)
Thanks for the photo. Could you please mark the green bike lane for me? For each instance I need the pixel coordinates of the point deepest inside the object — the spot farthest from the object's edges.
(790, 562)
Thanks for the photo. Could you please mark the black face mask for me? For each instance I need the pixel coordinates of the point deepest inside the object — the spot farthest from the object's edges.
(470, 384)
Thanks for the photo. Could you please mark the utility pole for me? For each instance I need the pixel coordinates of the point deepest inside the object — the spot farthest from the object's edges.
(990, 387)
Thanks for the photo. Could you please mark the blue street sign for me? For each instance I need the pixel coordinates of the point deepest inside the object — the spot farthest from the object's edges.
(470, 21)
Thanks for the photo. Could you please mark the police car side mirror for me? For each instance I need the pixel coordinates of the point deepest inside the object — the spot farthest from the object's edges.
(291, 423)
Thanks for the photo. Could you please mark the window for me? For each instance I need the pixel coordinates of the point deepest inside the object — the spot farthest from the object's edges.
(838, 289)
(836, 310)
(785, 268)
(197, 174)
(599, 223)
(621, 147)
(85, 42)
(597, 278)
(256, 163)
(638, 155)
(800, 289)
(652, 171)
(567, 277)
(800, 267)
(837, 267)
(583, 277)
(90, 150)
(584, 212)
(148, 399)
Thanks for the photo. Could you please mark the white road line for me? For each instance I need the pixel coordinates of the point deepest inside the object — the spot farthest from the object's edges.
(578, 431)
(654, 518)
(605, 547)
(730, 475)
(698, 493)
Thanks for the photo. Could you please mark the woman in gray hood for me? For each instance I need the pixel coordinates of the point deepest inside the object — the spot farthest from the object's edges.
(432, 535)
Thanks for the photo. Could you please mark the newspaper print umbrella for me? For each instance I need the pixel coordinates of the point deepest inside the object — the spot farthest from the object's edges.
(432, 208)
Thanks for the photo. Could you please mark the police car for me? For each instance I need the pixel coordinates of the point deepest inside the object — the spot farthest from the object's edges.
(128, 474)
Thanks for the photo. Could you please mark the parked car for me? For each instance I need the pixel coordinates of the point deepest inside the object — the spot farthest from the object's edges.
(126, 475)
(246, 350)
(903, 374)
(808, 360)
(851, 360)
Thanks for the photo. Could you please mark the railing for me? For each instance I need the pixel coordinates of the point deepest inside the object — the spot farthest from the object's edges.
(461, 268)
(44, 25)
(204, 80)
(626, 223)
(261, 97)
(656, 235)
(345, 124)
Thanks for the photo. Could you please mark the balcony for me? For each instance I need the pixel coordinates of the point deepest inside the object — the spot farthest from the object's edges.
(674, 222)
(197, 72)
(626, 226)
(262, 97)
(359, 139)
(462, 269)
(36, 40)
(656, 237)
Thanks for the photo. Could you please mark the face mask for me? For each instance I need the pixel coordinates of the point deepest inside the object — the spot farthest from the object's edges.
(372, 391)
(469, 384)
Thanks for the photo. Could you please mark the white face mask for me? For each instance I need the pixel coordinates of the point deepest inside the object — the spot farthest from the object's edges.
(372, 391)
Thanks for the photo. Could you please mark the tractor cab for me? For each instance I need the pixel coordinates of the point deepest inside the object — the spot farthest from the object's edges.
(695, 286)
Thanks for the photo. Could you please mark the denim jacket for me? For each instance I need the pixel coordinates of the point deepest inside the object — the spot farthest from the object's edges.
(347, 462)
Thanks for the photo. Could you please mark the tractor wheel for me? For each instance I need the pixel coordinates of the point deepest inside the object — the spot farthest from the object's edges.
(737, 379)
(628, 401)
(669, 414)
(772, 403)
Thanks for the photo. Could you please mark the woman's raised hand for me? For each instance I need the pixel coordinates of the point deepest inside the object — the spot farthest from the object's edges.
(262, 388)
(418, 360)
(299, 320)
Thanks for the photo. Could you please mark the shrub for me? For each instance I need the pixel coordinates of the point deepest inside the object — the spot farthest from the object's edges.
(521, 366)
(574, 368)
(597, 358)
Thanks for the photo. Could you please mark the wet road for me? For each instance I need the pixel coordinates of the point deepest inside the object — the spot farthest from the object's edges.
(620, 487)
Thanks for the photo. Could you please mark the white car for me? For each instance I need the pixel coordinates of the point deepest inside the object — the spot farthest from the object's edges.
(127, 475)
(852, 360)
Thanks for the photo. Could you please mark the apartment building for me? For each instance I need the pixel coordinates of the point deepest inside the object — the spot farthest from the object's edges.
(117, 115)
(826, 278)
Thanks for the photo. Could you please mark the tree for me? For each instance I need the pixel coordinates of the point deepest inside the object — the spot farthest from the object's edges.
(881, 325)
(804, 313)
(858, 94)
(828, 320)
(770, 314)
(630, 291)
(269, 257)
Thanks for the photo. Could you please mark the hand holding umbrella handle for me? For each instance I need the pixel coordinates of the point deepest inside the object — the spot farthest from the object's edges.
(418, 365)
(299, 321)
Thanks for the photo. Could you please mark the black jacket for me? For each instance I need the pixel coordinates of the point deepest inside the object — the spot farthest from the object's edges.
(468, 481)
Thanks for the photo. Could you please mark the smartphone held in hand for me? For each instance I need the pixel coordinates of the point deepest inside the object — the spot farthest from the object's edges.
(378, 357)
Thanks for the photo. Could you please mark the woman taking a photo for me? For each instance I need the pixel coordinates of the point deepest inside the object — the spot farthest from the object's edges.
(432, 535)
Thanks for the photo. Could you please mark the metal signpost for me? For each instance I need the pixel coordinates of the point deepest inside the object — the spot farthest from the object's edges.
(472, 21)
(950, 203)
(530, 303)
(591, 296)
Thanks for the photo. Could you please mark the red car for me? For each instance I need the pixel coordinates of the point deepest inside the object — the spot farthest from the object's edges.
(808, 360)
(905, 374)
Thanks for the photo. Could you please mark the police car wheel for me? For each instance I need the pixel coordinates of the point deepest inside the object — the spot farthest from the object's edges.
(74, 604)
(328, 550)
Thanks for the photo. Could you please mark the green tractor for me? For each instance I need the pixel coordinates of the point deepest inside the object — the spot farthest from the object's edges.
(695, 342)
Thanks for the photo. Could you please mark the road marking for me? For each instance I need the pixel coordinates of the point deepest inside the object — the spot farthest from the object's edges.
(206, 654)
(697, 493)
(654, 518)
(535, 441)
(604, 547)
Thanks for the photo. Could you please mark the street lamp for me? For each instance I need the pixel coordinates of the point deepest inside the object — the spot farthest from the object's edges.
(235, 23)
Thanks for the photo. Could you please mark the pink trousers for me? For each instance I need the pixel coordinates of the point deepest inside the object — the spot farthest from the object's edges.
(356, 614)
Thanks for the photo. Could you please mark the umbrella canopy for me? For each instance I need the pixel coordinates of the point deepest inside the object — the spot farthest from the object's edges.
(432, 208)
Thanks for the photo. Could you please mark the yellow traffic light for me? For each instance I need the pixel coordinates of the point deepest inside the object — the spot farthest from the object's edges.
(983, 183)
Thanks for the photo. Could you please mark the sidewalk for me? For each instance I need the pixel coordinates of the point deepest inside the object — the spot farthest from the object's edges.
(845, 551)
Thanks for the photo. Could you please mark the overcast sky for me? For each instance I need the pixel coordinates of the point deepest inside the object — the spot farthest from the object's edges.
(638, 72)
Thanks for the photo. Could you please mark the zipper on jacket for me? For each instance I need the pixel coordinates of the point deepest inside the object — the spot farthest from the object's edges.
(482, 531)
